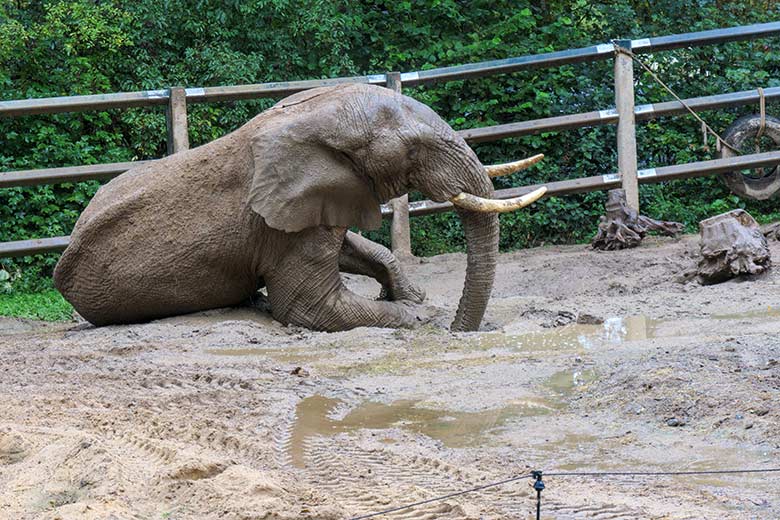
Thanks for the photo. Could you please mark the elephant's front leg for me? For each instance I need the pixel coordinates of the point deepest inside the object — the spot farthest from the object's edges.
(306, 289)
(362, 256)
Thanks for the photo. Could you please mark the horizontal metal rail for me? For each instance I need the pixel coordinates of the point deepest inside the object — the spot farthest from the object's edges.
(609, 181)
(53, 105)
(66, 174)
(592, 53)
(33, 247)
(472, 135)
(711, 37)
(608, 117)
(280, 89)
(556, 188)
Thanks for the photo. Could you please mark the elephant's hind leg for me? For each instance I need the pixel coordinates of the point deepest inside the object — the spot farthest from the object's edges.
(362, 256)
(306, 289)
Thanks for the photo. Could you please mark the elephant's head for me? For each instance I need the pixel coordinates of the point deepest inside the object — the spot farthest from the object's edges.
(331, 156)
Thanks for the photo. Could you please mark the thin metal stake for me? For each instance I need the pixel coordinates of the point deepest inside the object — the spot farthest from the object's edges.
(538, 486)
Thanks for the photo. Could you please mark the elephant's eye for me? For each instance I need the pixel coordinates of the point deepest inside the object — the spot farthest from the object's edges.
(412, 153)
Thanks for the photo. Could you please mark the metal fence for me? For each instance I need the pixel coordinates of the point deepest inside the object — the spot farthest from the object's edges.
(625, 113)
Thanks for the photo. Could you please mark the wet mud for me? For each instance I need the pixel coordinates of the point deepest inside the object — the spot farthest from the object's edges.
(228, 414)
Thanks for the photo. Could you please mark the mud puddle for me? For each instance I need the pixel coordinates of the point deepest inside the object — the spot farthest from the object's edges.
(613, 331)
(318, 415)
(565, 382)
(575, 338)
(769, 312)
(315, 416)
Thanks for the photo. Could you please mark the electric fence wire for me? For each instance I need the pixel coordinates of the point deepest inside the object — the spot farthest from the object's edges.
(443, 497)
(567, 474)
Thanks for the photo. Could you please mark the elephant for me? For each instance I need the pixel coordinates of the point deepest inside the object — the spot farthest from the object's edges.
(270, 206)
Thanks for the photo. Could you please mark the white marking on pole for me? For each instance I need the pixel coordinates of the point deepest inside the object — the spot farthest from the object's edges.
(154, 94)
(611, 177)
(642, 109)
(608, 114)
(604, 48)
(195, 91)
(649, 172)
(409, 76)
(638, 44)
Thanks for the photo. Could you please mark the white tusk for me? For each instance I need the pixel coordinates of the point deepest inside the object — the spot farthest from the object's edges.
(499, 170)
(474, 203)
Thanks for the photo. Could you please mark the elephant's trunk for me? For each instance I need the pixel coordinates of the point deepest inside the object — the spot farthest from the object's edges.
(467, 185)
(481, 230)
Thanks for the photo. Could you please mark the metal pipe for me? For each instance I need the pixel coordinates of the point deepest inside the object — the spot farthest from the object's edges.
(610, 116)
(66, 174)
(53, 105)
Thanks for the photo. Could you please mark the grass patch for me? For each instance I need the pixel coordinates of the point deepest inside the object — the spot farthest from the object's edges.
(47, 305)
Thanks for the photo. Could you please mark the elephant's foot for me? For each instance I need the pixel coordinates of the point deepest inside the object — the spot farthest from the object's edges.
(425, 315)
(401, 288)
(361, 256)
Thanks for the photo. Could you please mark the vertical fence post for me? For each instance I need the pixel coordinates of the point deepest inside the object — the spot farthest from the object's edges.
(399, 230)
(626, 131)
(176, 116)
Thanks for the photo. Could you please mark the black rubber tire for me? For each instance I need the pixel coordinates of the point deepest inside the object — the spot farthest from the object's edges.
(741, 132)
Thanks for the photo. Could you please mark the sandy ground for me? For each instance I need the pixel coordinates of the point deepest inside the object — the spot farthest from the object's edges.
(227, 414)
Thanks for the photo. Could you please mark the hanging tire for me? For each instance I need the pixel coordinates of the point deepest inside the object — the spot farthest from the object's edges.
(759, 184)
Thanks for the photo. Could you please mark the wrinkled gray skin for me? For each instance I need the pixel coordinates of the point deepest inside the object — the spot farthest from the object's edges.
(269, 206)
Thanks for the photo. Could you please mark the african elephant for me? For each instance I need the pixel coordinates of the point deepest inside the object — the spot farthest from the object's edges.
(269, 205)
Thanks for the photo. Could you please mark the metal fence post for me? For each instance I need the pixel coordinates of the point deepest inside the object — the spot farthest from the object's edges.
(400, 237)
(176, 116)
(626, 131)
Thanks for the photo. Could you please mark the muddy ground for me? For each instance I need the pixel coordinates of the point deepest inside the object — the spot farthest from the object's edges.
(227, 414)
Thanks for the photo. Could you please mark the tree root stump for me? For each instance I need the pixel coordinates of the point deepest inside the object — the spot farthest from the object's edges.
(732, 244)
(772, 231)
(622, 227)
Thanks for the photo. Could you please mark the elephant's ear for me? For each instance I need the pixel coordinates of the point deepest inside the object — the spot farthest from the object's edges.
(301, 180)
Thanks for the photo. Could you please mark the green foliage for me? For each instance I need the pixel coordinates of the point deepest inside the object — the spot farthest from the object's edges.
(71, 47)
(46, 305)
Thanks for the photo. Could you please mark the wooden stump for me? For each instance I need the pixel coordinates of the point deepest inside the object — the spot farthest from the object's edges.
(772, 231)
(622, 227)
(732, 244)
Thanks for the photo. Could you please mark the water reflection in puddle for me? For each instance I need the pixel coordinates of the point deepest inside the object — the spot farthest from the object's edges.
(563, 338)
(629, 328)
(614, 331)
(566, 381)
(573, 337)
(769, 312)
(314, 416)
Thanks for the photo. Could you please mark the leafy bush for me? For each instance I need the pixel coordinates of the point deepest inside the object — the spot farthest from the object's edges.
(70, 47)
(45, 305)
